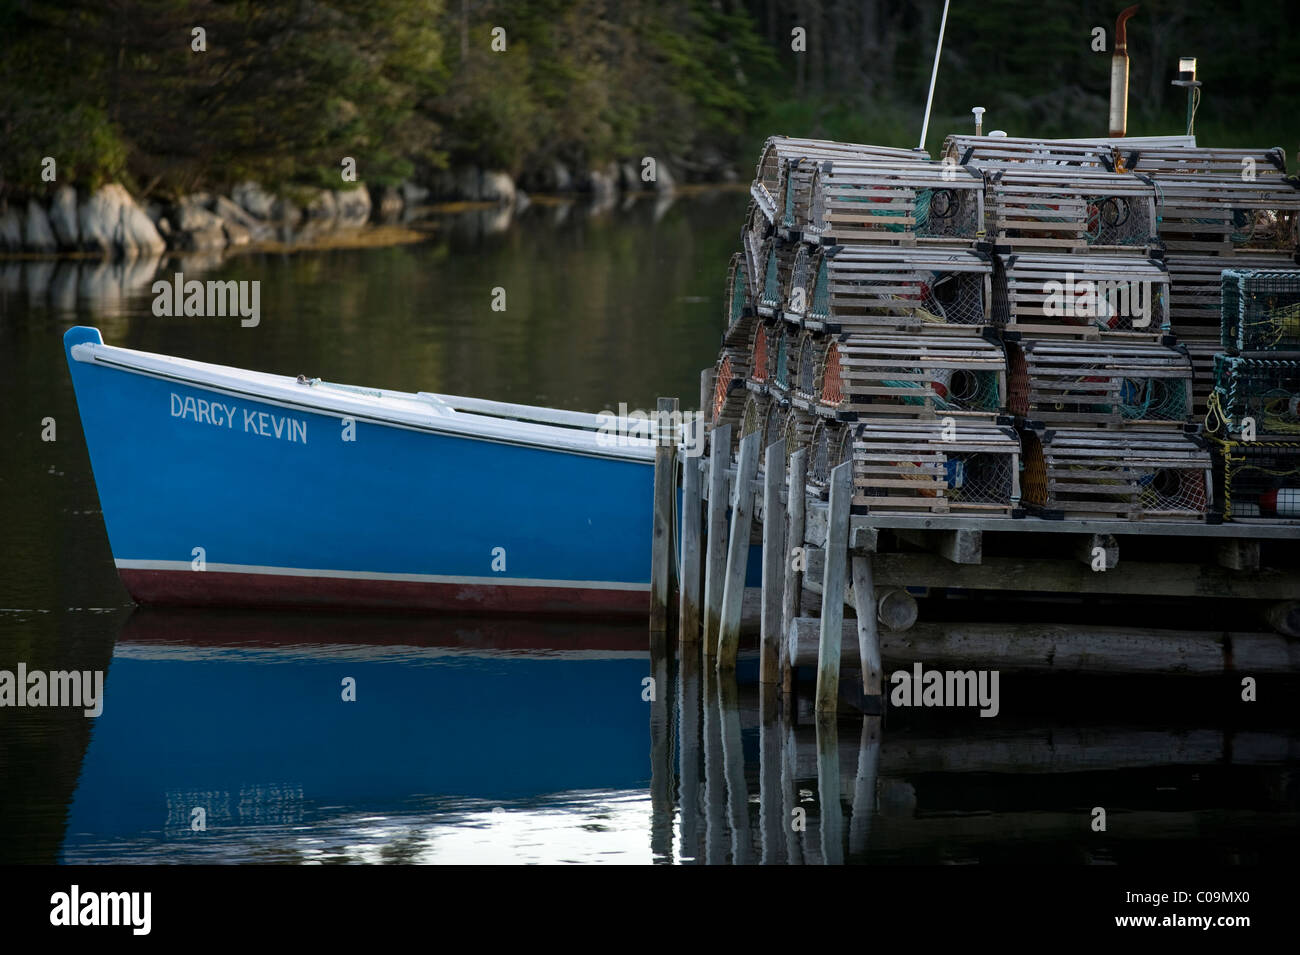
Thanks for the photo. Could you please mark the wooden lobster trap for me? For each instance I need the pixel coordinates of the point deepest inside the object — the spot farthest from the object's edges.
(935, 467)
(764, 341)
(1243, 165)
(1261, 310)
(754, 236)
(738, 303)
(1125, 475)
(1051, 210)
(783, 347)
(1081, 296)
(785, 169)
(857, 289)
(778, 261)
(806, 369)
(995, 151)
(829, 445)
(798, 432)
(1259, 481)
(1264, 390)
(729, 390)
(1202, 355)
(1207, 215)
(915, 376)
(894, 203)
(1195, 290)
(1110, 384)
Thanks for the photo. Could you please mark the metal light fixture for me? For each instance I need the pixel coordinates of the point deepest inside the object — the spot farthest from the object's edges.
(1187, 78)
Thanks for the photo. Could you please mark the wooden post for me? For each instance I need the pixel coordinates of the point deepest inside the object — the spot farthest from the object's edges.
(834, 572)
(662, 764)
(688, 623)
(742, 515)
(789, 792)
(733, 761)
(864, 601)
(864, 786)
(688, 724)
(715, 557)
(792, 595)
(715, 784)
(769, 670)
(771, 824)
(828, 789)
(665, 493)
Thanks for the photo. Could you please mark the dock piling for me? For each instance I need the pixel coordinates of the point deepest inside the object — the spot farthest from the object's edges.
(688, 623)
(665, 492)
(833, 580)
(742, 515)
(715, 555)
(792, 595)
(864, 599)
(774, 549)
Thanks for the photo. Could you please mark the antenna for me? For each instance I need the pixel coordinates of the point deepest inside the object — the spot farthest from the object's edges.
(929, 101)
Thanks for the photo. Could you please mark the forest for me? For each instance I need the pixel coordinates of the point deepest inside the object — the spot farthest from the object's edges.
(172, 96)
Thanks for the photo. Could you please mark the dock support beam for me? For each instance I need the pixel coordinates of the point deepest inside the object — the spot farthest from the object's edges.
(663, 560)
(864, 600)
(742, 519)
(688, 623)
(715, 557)
(792, 592)
(773, 562)
(833, 574)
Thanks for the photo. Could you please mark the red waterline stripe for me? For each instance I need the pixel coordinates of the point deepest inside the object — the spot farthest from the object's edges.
(224, 589)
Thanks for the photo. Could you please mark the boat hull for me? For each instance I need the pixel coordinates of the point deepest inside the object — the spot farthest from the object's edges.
(221, 496)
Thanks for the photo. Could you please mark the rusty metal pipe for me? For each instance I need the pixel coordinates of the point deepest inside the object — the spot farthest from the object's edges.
(1119, 75)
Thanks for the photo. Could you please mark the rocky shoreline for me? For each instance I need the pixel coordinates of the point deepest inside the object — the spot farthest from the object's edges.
(111, 223)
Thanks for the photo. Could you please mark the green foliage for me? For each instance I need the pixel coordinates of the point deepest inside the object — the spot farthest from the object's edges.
(287, 88)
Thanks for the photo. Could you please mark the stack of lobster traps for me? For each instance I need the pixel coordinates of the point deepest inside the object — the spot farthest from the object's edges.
(1255, 408)
(1024, 325)
(1219, 209)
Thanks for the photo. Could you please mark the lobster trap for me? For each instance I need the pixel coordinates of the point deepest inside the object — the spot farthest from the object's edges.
(1196, 290)
(729, 390)
(1095, 384)
(1225, 165)
(857, 289)
(798, 432)
(1261, 310)
(902, 465)
(764, 340)
(996, 151)
(1127, 475)
(894, 203)
(1265, 390)
(1081, 296)
(1259, 481)
(924, 376)
(1223, 217)
(754, 237)
(778, 260)
(785, 168)
(1051, 210)
(738, 303)
(830, 445)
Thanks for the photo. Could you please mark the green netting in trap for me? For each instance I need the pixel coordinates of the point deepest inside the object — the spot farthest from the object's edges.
(782, 376)
(820, 309)
(1153, 399)
(1266, 390)
(961, 390)
(772, 281)
(1261, 310)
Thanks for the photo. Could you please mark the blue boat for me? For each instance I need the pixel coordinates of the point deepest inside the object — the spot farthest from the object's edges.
(221, 486)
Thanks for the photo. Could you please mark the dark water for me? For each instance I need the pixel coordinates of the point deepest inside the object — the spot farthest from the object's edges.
(456, 750)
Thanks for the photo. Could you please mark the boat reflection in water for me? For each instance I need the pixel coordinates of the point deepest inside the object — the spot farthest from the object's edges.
(459, 750)
(454, 750)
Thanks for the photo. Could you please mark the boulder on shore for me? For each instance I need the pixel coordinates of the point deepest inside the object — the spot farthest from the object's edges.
(235, 215)
(11, 229)
(253, 199)
(197, 229)
(352, 206)
(37, 234)
(110, 221)
(63, 217)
